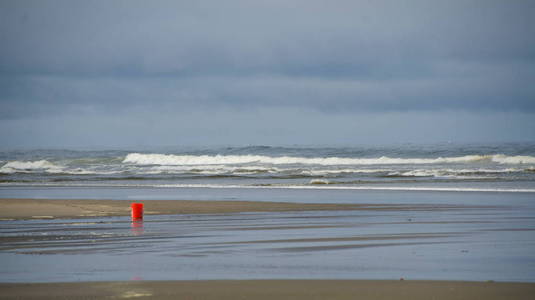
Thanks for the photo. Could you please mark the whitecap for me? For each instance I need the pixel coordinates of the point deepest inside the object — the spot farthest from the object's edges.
(29, 167)
(177, 160)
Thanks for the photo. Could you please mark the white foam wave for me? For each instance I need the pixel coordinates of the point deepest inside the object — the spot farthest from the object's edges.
(209, 169)
(24, 165)
(401, 188)
(44, 166)
(245, 170)
(177, 160)
(298, 187)
(456, 173)
(326, 172)
(29, 166)
(520, 159)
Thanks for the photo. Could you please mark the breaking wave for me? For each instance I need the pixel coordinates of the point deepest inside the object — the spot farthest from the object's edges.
(470, 173)
(299, 187)
(42, 166)
(448, 167)
(175, 160)
(29, 166)
(24, 165)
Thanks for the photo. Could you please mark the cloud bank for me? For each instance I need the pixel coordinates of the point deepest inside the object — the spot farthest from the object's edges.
(294, 61)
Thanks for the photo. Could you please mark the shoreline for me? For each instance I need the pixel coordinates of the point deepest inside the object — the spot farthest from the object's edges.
(272, 289)
(24, 209)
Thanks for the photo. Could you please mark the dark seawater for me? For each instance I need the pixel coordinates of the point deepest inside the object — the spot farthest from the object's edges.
(443, 167)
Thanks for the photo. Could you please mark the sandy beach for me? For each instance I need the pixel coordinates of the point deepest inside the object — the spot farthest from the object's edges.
(299, 244)
(13, 209)
(272, 289)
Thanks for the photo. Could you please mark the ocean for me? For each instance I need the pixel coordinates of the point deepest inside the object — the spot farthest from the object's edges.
(439, 167)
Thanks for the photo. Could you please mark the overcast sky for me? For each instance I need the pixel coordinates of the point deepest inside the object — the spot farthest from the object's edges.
(153, 73)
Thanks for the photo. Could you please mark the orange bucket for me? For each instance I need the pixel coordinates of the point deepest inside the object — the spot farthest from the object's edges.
(137, 211)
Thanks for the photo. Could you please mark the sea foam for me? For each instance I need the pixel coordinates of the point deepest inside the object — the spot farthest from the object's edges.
(289, 187)
(28, 166)
(42, 166)
(521, 159)
(170, 159)
(23, 165)
(465, 173)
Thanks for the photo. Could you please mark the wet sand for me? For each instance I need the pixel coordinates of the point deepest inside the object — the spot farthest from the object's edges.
(271, 289)
(16, 209)
(207, 240)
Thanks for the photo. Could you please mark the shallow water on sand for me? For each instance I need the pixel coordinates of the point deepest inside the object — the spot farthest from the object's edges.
(495, 241)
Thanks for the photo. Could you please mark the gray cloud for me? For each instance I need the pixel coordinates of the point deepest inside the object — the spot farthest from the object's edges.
(206, 36)
(95, 59)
